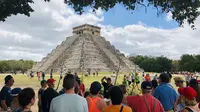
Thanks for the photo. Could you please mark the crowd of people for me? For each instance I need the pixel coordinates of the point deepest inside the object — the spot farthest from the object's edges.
(157, 95)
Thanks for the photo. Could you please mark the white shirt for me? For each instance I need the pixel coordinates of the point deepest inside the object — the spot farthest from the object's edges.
(69, 103)
(113, 78)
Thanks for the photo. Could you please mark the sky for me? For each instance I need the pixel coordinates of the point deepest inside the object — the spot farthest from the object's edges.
(140, 32)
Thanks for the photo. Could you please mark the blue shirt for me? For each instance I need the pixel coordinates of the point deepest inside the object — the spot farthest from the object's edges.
(5, 94)
(166, 95)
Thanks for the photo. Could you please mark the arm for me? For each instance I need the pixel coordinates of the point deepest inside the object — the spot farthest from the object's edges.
(102, 80)
(3, 104)
(101, 104)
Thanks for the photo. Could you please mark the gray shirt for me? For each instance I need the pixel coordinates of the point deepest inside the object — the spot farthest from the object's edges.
(69, 103)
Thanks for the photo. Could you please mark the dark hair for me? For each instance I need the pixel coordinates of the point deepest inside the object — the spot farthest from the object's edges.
(76, 89)
(87, 93)
(108, 79)
(116, 95)
(25, 96)
(194, 84)
(7, 78)
(164, 77)
(154, 83)
(69, 81)
(95, 88)
(123, 88)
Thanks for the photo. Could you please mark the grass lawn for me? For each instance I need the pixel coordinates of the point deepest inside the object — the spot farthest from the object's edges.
(23, 81)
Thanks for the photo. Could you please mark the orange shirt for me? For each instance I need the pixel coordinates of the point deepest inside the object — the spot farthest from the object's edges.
(116, 108)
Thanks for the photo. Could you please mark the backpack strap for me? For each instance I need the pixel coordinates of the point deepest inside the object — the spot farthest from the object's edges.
(121, 108)
(188, 109)
(146, 104)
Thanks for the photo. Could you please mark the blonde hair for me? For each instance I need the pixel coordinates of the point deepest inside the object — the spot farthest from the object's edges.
(189, 102)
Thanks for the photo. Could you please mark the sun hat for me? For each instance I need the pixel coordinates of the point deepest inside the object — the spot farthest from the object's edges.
(189, 93)
(179, 79)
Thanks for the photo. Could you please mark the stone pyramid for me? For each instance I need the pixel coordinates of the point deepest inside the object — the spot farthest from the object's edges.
(85, 51)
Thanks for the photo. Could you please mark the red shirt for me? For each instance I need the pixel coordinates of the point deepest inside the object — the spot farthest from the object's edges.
(82, 87)
(137, 103)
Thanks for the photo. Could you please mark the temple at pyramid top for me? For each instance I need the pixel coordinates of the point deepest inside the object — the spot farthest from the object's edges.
(85, 51)
(86, 28)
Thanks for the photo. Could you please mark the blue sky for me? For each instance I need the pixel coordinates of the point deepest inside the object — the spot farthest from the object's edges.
(119, 17)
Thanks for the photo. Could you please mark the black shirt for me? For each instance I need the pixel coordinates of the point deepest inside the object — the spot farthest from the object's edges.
(47, 96)
(5, 94)
(106, 88)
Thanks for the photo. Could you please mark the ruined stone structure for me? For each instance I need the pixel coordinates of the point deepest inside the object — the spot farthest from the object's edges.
(85, 51)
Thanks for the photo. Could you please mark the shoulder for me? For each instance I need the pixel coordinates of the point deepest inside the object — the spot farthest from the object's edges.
(127, 109)
(58, 98)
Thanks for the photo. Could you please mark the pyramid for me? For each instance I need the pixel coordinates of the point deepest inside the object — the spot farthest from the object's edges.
(85, 51)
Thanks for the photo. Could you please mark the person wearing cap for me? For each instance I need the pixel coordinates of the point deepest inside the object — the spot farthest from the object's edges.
(165, 93)
(48, 95)
(188, 96)
(116, 96)
(145, 102)
(179, 82)
(106, 86)
(69, 101)
(95, 102)
(194, 84)
(5, 94)
(43, 84)
(15, 103)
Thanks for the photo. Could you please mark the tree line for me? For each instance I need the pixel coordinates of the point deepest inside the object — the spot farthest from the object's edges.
(14, 66)
(187, 62)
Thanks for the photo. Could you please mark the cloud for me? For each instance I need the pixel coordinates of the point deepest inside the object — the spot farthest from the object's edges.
(169, 17)
(34, 37)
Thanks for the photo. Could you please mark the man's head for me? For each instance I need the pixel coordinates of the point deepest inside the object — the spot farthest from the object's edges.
(146, 87)
(109, 80)
(43, 83)
(95, 88)
(26, 97)
(51, 82)
(164, 78)
(69, 82)
(15, 92)
(116, 95)
(179, 81)
(9, 80)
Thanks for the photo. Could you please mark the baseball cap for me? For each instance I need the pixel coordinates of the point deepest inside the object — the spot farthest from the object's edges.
(15, 91)
(178, 79)
(51, 80)
(95, 86)
(43, 81)
(189, 93)
(146, 85)
(7, 78)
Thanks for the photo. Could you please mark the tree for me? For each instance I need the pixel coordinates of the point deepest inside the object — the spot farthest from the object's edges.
(165, 63)
(181, 9)
(175, 66)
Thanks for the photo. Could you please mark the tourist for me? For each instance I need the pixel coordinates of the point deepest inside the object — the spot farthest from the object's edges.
(188, 78)
(43, 84)
(165, 93)
(48, 95)
(38, 75)
(125, 82)
(129, 79)
(137, 80)
(154, 85)
(147, 78)
(81, 87)
(113, 77)
(146, 102)
(116, 96)
(106, 86)
(194, 84)
(179, 82)
(26, 99)
(189, 95)
(43, 76)
(15, 103)
(155, 77)
(95, 102)
(5, 94)
(69, 101)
